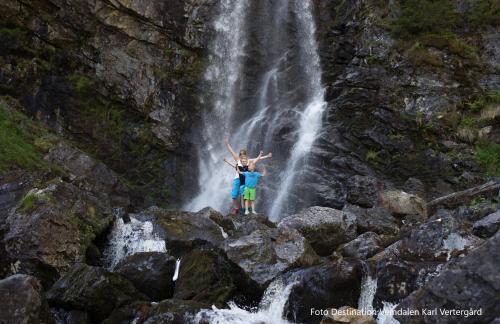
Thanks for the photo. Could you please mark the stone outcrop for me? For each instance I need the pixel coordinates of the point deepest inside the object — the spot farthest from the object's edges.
(22, 300)
(324, 228)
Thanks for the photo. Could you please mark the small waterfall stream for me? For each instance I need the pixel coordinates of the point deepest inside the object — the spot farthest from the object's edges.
(127, 238)
(270, 310)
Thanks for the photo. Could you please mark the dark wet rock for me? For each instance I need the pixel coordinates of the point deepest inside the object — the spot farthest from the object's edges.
(88, 173)
(397, 278)
(437, 240)
(363, 190)
(170, 311)
(150, 272)
(402, 203)
(472, 282)
(376, 219)
(12, 189)
(325, 228)
(487, 226)
(22, 301)
(333, 284)
(207, 276)
(53, 232)
(183, 230)
(264, 254)
(225, 222)
(94, 290)
(363, 247)
(246, 225)
(63, 316)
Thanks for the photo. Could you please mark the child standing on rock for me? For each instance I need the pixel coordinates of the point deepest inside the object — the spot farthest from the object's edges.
(251, 180)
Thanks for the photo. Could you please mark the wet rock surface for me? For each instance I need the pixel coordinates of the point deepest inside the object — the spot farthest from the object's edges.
(333, 284)
(325, 228)
(94, 290)
(208, 276)
(487, 226)
(22, 300)
(363, 247)
(150, 272)
(264, 254)
(467, 283)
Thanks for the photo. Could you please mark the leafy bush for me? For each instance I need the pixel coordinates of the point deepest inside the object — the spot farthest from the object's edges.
(488, 156)
(16, 143)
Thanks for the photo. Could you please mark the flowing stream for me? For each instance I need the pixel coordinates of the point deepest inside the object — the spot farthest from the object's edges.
(265, 92)
(270, 310)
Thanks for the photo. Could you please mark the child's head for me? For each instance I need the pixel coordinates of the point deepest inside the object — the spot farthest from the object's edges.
(244, 160)
(243, 153)
(251, 167)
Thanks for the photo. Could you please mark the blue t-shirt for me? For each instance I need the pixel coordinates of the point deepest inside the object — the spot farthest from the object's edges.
(252, 178)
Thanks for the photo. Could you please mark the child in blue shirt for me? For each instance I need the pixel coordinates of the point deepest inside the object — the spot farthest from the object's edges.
(252, 178)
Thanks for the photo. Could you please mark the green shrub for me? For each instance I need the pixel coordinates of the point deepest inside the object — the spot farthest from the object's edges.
(420, 17)
(484, 12)
(477, 105)
(16, 142)
(488, 156)
(28, 202)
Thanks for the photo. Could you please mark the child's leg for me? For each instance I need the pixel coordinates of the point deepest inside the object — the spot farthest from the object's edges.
(253, 207)
(247, 204)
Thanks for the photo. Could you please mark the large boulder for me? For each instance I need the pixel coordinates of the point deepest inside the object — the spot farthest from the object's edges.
(363, 247)
(206, 275)
(376, 219)
(487, 226)
(89, 173)
(169, 311)
(94, 290)
(334, 284)
(325, 228)
(22, 301)
(264, 254)
(363, 190)
(402, 203)
(52, 228)
(437, 240)
(150, 272)
(183, 230)
(469, 283)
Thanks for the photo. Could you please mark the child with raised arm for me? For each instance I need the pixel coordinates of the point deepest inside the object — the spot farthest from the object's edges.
(239, 179)
(251, 180)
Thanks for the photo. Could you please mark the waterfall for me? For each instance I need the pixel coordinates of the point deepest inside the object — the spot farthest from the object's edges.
(386, 315)
(270, 310)
(265, 90)
(129, 238)
(368, 290)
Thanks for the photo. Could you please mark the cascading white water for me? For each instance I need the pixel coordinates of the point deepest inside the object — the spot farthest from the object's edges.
(222, 76)
(386, 315)
(368, 290)
(257, 104)
(129, 238)
(270, 310)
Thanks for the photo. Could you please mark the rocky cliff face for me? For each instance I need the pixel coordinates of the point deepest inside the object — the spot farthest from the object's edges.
(120, 79)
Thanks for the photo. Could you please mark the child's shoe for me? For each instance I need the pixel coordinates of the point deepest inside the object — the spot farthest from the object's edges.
(242, 211)
(234, 211)
(253, 211)
(247, 212)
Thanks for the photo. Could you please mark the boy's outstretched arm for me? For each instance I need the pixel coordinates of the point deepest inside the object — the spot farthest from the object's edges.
(230, 148)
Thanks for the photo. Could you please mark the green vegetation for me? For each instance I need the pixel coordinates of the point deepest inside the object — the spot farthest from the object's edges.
(477, 105)
(372, 155)
(16, 141)
(29, 201)
(436, 23)
(488, 156)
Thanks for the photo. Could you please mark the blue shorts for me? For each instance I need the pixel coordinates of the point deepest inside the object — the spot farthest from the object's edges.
(235, 192)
